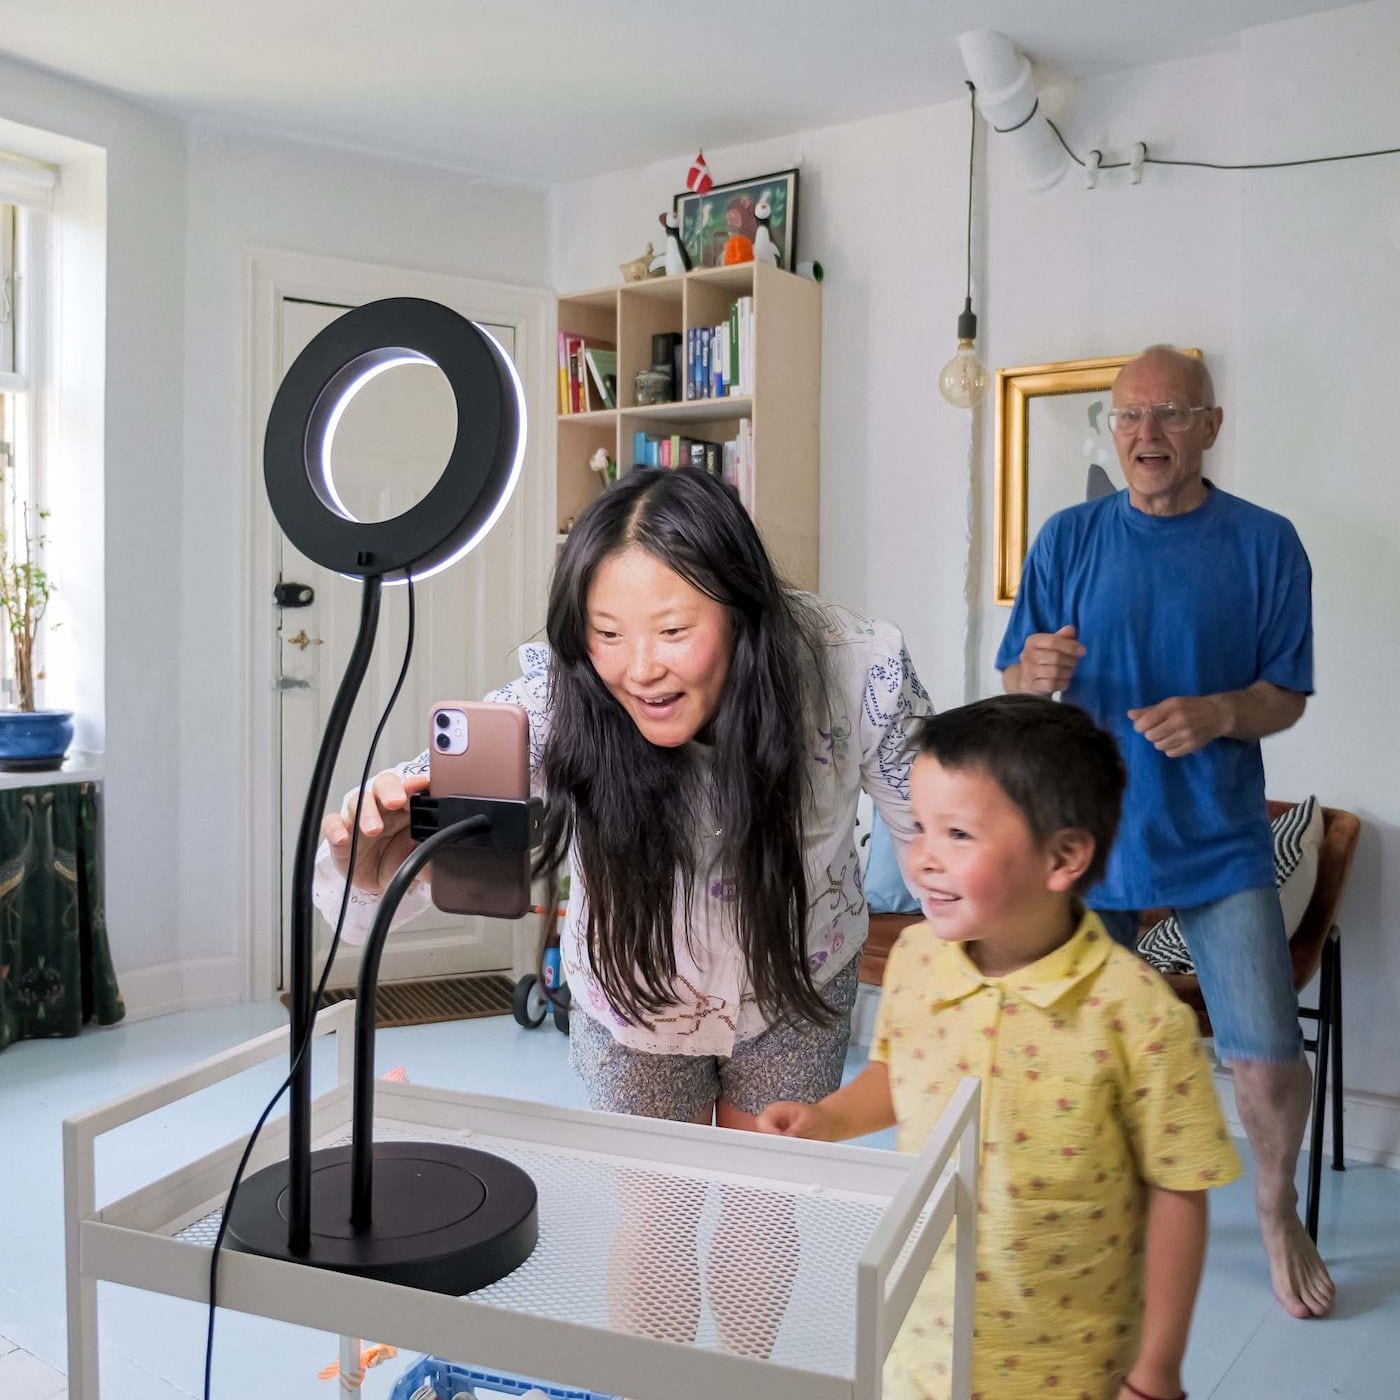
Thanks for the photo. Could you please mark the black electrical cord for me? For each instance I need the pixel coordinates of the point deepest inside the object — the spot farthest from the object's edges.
(309, 1033)
(971, 149)
(1215, 164)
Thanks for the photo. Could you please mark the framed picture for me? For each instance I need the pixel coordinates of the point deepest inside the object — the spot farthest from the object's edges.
(1053, 449)
(708, 221)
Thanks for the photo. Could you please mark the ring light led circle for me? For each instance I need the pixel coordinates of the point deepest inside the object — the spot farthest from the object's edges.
(481, 471)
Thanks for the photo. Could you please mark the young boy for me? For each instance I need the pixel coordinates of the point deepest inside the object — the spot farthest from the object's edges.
(1100, 1124)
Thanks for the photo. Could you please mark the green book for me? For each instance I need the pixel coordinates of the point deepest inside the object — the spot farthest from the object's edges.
(602, 365)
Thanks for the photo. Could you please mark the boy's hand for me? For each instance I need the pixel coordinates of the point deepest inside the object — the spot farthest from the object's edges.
(803, 1120)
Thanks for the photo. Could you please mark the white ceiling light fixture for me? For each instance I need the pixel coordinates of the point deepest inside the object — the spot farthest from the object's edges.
(1006, 97)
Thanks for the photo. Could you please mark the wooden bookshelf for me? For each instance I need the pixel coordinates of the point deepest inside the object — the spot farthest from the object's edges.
(783, 405)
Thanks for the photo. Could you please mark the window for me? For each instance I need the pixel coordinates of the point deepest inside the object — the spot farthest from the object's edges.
(19, 520)
(7, 288)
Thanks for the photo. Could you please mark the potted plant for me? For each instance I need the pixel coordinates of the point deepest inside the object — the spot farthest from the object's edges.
(29, 738)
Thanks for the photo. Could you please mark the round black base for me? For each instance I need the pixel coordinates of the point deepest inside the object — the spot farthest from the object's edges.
(447, 1219)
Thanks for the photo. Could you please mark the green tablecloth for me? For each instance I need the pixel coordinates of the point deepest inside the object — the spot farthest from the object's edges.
(55, 966)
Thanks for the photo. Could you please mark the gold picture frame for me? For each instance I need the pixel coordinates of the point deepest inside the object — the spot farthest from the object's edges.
(1016, 389)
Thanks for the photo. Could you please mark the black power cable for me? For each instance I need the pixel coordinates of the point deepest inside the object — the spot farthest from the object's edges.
(309, 1032)
(971, 151)
(1212, 164)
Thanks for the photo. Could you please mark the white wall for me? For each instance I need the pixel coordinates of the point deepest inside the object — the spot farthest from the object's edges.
(244, 194)
(1317, 349)
(1288, 280)
(141, 533)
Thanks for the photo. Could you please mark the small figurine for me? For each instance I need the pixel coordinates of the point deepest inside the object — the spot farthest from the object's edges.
(637, 269)
(764, 249)
(737, 249)
(376, 1354)
(677, 259)
(604, 465)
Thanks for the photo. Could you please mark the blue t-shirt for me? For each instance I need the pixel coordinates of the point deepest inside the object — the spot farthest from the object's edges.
(1192, 604)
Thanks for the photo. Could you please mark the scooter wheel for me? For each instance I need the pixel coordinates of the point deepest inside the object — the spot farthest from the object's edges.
(530, 1005)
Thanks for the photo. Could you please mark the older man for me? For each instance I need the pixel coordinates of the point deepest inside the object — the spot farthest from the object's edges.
(1180, 617)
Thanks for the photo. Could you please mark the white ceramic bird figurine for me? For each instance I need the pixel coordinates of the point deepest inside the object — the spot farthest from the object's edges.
(677, 259)
(764, 249)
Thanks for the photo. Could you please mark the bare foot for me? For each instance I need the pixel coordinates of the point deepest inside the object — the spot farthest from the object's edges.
(1302, 1284)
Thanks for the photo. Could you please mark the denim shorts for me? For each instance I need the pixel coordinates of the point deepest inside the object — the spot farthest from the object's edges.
(1240, 949)
(790, 1060)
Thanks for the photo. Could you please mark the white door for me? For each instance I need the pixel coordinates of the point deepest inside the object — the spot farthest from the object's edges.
(389, 448)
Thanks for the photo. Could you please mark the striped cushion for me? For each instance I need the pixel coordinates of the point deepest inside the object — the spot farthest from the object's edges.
(1297, 841)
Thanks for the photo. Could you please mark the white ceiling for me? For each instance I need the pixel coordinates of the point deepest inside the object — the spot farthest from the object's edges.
(551, 90)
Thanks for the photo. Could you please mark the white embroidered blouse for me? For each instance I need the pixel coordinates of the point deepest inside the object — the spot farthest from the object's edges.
(873, 699)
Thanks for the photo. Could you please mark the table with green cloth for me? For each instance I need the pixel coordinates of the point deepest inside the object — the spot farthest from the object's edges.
(55, 965)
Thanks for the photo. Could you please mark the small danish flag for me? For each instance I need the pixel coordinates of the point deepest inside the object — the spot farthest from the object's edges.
(697, 179)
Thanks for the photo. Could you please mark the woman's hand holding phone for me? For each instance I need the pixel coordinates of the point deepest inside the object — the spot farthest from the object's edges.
(384, 835)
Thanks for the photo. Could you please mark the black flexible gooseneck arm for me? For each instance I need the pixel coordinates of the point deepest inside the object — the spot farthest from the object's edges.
(304, 869)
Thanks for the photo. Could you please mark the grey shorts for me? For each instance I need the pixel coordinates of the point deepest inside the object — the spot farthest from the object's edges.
(790, 1060)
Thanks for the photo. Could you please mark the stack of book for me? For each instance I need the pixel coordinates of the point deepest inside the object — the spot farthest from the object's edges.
(732, 461)
(587, 374)
(719, 359)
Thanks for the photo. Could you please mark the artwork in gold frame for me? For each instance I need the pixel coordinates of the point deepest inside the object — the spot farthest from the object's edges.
(1053, 449)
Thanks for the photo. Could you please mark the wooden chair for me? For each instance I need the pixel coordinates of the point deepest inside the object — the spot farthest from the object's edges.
(884, 932)
(1317, 945)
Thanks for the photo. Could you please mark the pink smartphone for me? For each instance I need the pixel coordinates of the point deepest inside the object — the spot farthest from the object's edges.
(477, 749)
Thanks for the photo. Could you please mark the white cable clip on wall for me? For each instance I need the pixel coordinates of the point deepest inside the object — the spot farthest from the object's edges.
(1091, 169)
(1135, 164)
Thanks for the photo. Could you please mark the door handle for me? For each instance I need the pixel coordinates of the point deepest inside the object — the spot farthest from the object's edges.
(302, 641)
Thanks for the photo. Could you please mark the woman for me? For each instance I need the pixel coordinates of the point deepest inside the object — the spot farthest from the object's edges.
(701, 736)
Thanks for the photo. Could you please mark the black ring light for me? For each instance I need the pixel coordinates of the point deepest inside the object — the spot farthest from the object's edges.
(481, 471)
(433, 1215)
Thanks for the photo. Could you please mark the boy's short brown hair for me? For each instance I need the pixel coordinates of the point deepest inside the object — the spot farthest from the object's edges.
(1052, 761)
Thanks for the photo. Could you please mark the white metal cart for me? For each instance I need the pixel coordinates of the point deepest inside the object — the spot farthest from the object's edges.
(867, 1225)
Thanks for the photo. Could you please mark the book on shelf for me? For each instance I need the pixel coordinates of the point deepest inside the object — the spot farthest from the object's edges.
(578, 392)
(732, 461)
(719, 359)
(602, 367)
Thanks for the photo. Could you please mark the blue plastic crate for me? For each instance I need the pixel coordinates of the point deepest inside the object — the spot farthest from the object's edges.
(449, 1379)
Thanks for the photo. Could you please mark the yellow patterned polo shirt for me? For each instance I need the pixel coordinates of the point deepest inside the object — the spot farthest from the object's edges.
(1094, 1082)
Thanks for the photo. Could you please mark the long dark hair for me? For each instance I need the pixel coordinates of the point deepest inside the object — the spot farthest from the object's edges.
(630, 806)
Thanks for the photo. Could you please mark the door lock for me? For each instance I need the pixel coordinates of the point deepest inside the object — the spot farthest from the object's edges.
(293, 595)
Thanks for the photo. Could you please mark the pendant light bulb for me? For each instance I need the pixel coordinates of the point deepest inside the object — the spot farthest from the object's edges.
(963, 380)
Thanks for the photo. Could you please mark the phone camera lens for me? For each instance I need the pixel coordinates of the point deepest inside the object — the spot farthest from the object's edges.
(443, 741)
(443, 719)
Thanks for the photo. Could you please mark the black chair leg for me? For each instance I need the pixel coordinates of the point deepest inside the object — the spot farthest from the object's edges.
(1319, 1104)
(1338, 1091)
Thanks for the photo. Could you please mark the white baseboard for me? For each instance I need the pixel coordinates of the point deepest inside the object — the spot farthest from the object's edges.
(181, 986)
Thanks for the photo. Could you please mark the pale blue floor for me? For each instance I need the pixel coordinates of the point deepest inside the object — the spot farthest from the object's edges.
(1242, 1348)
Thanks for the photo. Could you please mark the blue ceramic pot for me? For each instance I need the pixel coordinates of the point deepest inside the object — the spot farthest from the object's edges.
(36, 740)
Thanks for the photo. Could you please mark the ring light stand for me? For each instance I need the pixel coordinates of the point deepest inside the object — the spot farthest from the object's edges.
(433, 1216)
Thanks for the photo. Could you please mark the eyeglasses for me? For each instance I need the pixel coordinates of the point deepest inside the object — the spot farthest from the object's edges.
(1174, 417)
